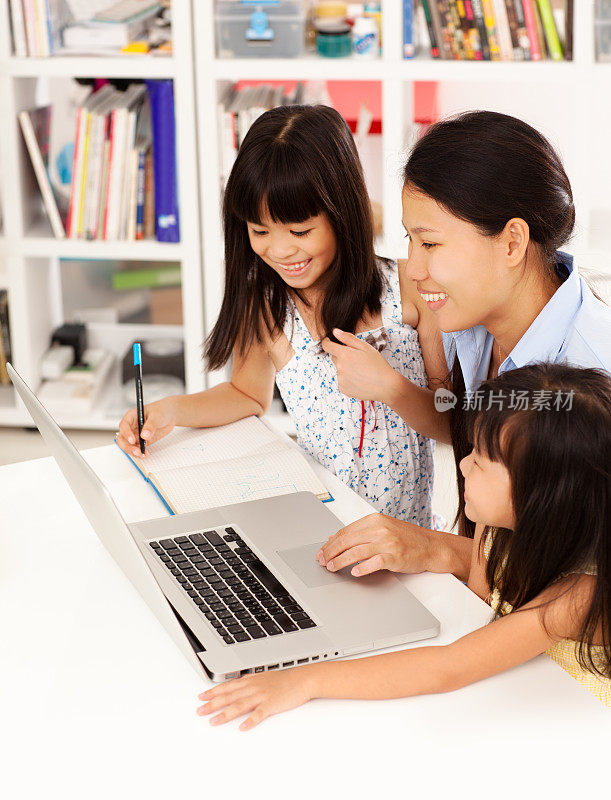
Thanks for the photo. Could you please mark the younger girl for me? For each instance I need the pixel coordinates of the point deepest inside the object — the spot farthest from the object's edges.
(539, 479)
(299, 261)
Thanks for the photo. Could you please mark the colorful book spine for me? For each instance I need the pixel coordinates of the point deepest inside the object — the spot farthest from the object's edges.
(431, 29)
(473, 32)
(551, 34)
(161, 96)
(518, 53)
(408, 28)
(456, 31)
(531, 28)
(478, 15)
(495, 52)
(522, 32)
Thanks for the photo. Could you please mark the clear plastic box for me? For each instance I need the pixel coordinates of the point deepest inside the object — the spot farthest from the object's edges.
(247, 29)
(602, 39)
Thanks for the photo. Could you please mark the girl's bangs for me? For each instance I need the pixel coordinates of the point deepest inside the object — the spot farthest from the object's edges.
(286, 190)
(494, 433)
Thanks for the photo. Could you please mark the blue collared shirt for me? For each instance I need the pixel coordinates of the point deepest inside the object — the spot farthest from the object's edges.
(574, 327)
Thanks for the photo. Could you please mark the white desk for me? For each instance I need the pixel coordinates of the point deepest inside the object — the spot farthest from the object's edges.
(95, 700)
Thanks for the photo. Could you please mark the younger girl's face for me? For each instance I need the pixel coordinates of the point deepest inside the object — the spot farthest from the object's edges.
(300, 252)
(461, 274)
(487, 491)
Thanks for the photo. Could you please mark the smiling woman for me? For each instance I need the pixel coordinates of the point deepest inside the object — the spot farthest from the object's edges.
(486, 206)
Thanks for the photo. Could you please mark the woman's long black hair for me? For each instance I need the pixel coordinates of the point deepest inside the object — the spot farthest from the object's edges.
(487, 168)
(558, 455)
(295, 162)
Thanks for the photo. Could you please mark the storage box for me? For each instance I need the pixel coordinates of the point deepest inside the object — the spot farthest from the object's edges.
(272, 29)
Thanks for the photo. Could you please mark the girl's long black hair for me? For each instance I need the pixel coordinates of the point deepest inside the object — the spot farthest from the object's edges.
(558, 455)
(486, 168)
(295, 162)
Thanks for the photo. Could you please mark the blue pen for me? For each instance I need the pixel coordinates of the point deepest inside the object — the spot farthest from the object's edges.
(139, 400)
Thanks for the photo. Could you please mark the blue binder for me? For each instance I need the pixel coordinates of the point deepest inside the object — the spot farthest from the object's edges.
(161, 97)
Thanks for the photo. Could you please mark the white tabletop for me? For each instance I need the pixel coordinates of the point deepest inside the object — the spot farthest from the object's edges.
(96, 701)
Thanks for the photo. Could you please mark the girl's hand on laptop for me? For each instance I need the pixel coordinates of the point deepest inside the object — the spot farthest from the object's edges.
(258, 696)
(362, 372)
(377, 542)
(159, 420)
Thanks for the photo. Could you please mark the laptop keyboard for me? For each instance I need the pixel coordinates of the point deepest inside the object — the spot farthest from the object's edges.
(231, 586)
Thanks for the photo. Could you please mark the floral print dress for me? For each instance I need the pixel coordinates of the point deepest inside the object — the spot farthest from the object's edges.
(368, 446)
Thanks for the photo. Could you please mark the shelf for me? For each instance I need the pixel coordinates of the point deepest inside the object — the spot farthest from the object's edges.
(107, 251)
(317, 68)
(91, 66)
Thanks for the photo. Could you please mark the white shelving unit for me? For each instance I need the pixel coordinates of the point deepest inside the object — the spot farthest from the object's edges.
(571, 106)
(580, 88)
(32, 255)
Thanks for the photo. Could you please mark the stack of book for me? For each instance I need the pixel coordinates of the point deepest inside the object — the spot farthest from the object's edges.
(239, 108)
(123, 183)
(37, 26)
(494, 30)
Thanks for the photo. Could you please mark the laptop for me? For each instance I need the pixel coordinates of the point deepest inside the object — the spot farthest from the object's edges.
(238, 588)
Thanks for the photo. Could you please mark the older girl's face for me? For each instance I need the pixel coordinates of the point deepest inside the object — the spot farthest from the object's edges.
(462, 275)
(487, 491)
(299, 252)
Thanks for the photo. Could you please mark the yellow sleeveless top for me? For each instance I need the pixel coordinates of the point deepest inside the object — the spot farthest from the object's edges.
(563, 652)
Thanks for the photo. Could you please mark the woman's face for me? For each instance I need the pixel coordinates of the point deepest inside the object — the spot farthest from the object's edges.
(462, 275)
(300, 252)
(487, 491)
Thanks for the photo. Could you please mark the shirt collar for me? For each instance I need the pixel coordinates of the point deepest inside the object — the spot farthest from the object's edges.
(546, 335)
(542, 341)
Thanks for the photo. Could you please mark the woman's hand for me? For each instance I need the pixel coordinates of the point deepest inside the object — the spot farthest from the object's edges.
(259, 696)
(159, 420)
(378, 542)
(362, 372)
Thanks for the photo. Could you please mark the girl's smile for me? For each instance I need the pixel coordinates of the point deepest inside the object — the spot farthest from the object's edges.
(300, 252)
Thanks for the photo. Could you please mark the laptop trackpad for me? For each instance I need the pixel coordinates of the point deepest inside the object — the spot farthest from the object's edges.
(302, 560)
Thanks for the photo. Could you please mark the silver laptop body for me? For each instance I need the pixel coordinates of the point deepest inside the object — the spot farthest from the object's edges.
(280, 535)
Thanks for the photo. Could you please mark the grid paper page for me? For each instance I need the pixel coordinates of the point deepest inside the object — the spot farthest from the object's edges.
(185, 447)
(266, 475)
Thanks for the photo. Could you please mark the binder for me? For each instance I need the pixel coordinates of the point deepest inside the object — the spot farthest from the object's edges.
(161, 97)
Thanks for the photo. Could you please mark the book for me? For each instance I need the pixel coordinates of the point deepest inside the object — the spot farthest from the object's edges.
(165, 275)
(35, 126)
(408, 28)
(568, 31)
(193, 469)
(5, 338)
(522, 31)
(531, 28)
(518, 53)
(503, 33)
(161, 97)
(431, 28)
(20, 45)
(478, 16)
(127, 11)
(549, 27)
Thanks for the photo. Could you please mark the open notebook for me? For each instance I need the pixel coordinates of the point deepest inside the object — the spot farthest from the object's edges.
(192, 469)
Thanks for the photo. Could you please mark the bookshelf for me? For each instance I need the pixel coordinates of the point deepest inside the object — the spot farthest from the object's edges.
(32, 256)
(573, 111)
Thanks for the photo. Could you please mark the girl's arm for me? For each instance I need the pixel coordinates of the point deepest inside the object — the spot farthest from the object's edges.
(496, 647)
(249, 392)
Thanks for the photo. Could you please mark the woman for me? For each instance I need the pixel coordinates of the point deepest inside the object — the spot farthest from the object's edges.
(486, 206)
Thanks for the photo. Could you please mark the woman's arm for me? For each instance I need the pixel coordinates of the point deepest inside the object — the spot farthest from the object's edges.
(417, 314)
(496, 647)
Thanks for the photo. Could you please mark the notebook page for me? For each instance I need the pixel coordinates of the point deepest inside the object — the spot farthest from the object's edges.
(265, 475)
(185, 447)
